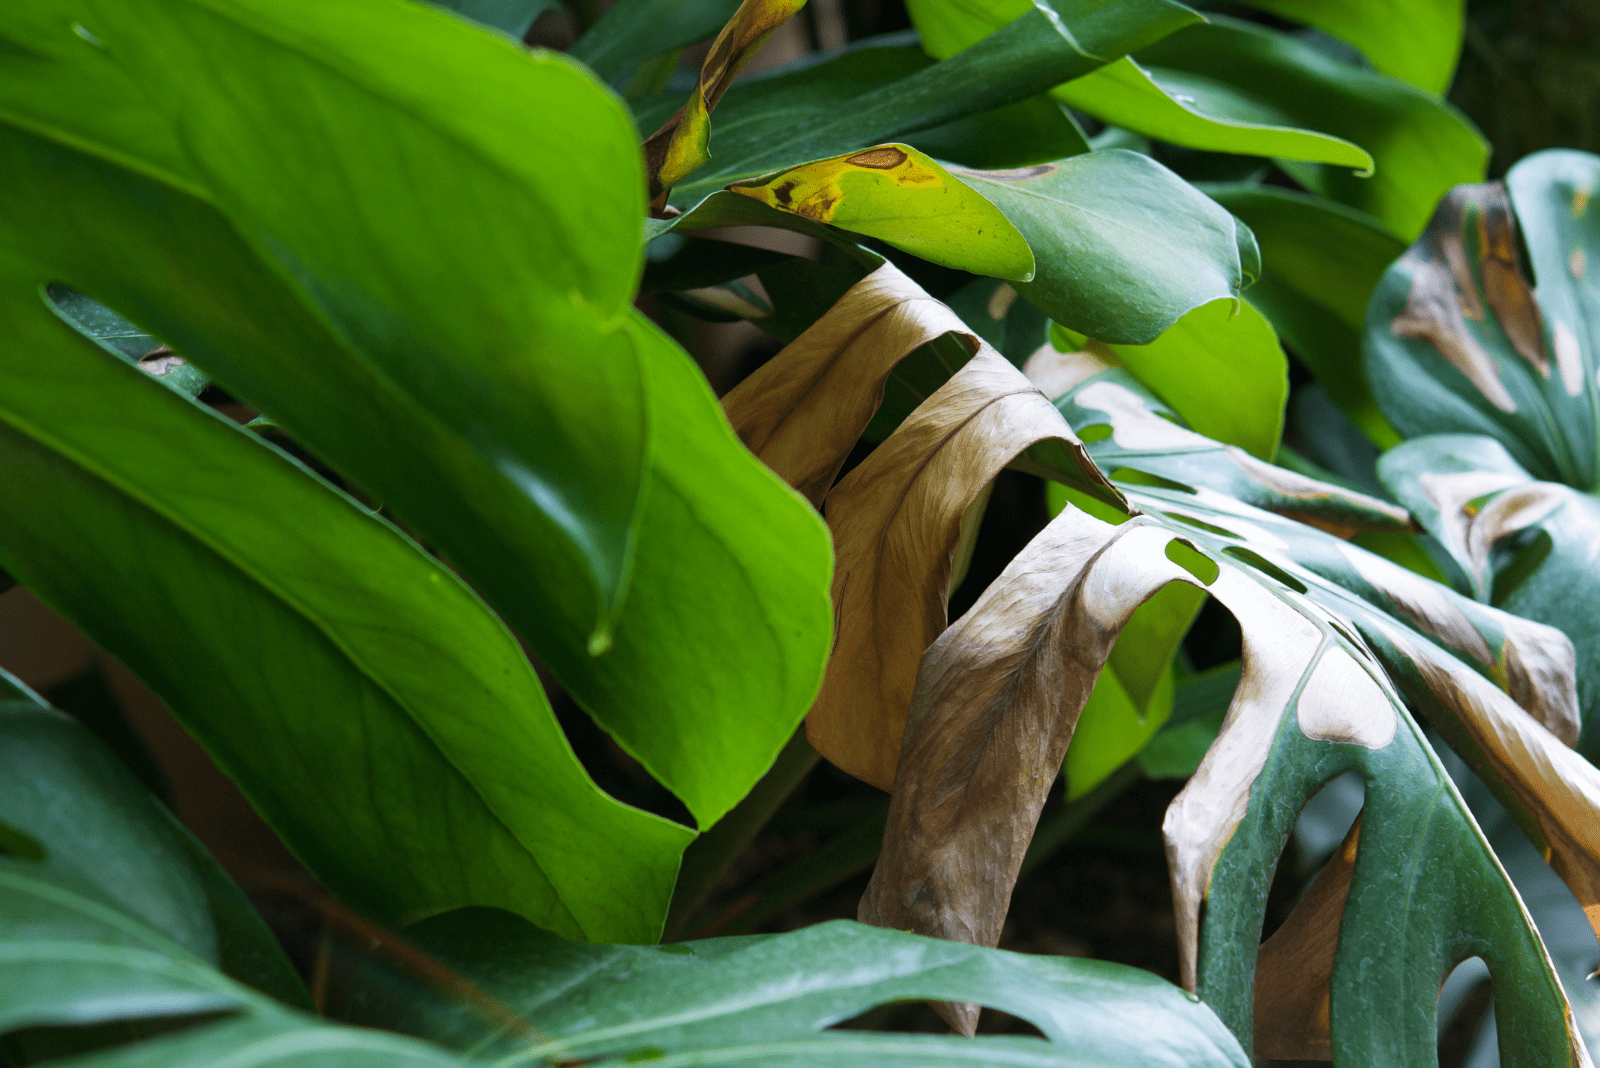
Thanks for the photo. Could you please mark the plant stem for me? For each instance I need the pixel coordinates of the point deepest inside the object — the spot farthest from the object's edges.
(708, 857)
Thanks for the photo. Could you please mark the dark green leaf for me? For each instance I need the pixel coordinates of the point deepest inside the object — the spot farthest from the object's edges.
(510, 16)
(632, 31)
(433, 297)
(1422, 146)
(765, 1000)
(1414, 40)
(1322, 261)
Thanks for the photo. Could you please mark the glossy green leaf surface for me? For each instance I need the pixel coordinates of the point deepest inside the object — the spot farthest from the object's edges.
(1416, 41)
(1420, 145)
(767, 127)
(1221, 368)
(1205, 113)
(1123, 247)
(632, 31)
(446, 323)
(94, 828)
(297, 635)
(1320, 263)
(123, 918)
(766, 999)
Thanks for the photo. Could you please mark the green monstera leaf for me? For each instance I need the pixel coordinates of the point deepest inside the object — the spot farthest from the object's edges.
(1488, 365)
(765, 1000)
(342, 216)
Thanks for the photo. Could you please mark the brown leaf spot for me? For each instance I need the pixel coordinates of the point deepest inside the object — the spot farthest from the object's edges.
(1576, 263)
(878, 159)
(785, 192)
(1433, 313)
(1504, 284)
(1580, 203)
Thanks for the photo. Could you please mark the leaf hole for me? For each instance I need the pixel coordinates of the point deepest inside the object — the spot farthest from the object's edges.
(131, 343)
(1466, 1001)
(1266, 567)
(1134, 477)
(1193, 561)
(1200, 524)
(1326, 818)
(1098, 432)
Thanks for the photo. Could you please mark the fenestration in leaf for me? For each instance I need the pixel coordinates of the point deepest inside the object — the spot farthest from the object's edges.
(1311, 703)
(1496, 382)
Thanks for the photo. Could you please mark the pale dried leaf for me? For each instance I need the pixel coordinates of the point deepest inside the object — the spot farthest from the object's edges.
(896, 521)
(1294, 967)
(1552, 791)
(801, 411)
(997, 698)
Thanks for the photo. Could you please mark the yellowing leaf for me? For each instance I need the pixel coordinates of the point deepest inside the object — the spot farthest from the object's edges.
(897, 194)
(683, 143)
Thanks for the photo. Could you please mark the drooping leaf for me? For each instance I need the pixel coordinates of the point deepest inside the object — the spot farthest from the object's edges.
(1420, 145)
(1320, 263)
(766, 999)
(895, 523)
(683, 144)
(1327, 627)
(455, 363)
(950, 861)
(1494, 379)
(899, 195)
(1416, 41)
(116, 916)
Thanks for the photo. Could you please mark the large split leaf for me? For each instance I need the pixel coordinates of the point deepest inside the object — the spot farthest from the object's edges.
(1494, 379)
(1320, 263)
(766, 999)
(357, 232)
(328, 663)
(1421, 146)
(1327, 627)
(112, 915)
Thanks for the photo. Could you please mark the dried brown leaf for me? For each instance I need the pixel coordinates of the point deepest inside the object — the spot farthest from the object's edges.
(801, 412)
(1294, 967)
(896, 520)
(997, 699)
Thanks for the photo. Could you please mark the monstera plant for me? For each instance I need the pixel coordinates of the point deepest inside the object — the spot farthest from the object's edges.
(1483, 349)
(351, 400)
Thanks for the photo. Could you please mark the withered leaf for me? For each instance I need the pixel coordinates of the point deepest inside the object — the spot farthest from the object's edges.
(896, 520)
(997, 698)
(683, 143)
